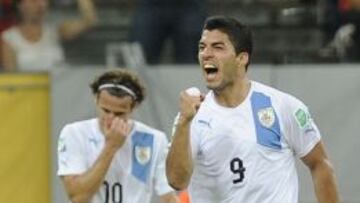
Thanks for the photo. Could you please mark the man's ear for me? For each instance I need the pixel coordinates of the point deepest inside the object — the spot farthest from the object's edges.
(134, 106)
(242, 59)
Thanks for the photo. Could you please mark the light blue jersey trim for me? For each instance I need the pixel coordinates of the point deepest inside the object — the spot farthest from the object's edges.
(267, 136)
(141, 143)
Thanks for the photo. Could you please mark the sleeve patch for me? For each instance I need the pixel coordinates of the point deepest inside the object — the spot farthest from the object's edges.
(61, 145)
(302, 118)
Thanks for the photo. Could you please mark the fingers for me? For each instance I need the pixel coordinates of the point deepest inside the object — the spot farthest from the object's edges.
(193, 100)
(117, 133)
(189, 104)
(119, 126)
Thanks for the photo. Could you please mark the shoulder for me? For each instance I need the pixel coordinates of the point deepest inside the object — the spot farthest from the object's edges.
(288, 107)
(10, 34)
(148, 130)
(78, 129)
(278, 98)
(145, 135)
(81, 124)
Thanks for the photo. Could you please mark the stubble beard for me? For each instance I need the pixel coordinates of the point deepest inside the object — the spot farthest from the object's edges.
(219, 88)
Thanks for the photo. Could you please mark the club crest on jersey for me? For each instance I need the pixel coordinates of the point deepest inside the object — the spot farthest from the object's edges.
(266, 116)
(142, 154)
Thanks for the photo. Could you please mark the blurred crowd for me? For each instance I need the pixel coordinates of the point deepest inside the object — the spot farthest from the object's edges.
(31, 41)
(342, 30)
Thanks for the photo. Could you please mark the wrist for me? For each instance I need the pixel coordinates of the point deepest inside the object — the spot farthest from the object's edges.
(184, 120)
(110, 147)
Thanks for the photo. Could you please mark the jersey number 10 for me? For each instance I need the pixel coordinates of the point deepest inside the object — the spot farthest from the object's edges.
(115, 190)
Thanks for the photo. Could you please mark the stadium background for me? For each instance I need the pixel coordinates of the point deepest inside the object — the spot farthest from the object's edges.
(28, 170)
(34, 107)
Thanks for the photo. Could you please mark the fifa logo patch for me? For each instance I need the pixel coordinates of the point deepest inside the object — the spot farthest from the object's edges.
(142, 154)
(266, 117)
(302, 118)
(61, 145)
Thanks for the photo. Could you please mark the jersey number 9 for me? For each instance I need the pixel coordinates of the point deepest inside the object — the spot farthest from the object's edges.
(236, 166)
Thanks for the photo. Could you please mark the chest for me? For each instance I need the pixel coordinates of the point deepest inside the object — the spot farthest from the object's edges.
(37, 54)
(134, 159)
(243, 133)
(223, 135)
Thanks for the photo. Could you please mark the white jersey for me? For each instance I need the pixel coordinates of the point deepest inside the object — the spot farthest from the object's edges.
(137, 169)
(247, 153)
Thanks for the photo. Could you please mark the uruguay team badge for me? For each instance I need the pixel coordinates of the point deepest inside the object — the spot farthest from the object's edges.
(266, 116)
(142, 154)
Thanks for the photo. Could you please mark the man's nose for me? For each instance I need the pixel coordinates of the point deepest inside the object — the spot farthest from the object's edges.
(206, 53)
(110, 115)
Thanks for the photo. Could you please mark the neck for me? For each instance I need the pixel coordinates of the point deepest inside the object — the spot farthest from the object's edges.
(31, 23)
(233, 95)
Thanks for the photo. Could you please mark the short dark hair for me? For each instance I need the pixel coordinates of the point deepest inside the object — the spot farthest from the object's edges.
(122, 77)
(239, 34)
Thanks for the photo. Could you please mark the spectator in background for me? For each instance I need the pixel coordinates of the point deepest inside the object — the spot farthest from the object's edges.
(155, 21)
(344, 28)
(350, 20)
(33, 43)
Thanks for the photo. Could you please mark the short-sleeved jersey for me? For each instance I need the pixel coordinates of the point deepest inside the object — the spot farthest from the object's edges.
(247, 153)
(136, 171)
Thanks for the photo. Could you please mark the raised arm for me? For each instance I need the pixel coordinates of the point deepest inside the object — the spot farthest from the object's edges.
(69, 29)
(322, 175)
(179, 164)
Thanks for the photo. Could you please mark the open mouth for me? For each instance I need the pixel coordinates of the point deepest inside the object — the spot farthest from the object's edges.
(211, 71)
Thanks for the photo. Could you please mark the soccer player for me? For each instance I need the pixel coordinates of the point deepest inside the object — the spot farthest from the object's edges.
(113, 158)
(238, 142)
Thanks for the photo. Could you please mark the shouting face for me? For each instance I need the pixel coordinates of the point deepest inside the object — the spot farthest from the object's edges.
(218, 60)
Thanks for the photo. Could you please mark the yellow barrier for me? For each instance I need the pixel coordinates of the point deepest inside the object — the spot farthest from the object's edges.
(25, 138)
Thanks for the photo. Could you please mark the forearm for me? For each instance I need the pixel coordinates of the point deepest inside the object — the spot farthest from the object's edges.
(87, 11)
(179, 165)
(325, 183)
(70, 29)
(83, 187)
